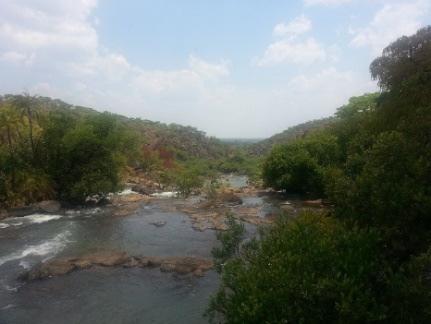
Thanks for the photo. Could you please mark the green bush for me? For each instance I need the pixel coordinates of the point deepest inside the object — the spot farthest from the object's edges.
(292, 168)
(229, 242)
(314, 269)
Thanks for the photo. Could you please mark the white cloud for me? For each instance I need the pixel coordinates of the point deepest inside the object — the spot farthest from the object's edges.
(31, 25)
(208, 70)
(317, 95)
(389, 23)
(286, 51)
(296, 27)
(17, 58)
(51, 47)
(289, 48)
(55, 48)
(325, 2)
(329, 76)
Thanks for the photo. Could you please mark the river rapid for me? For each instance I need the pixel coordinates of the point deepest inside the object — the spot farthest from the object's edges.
(105, 295)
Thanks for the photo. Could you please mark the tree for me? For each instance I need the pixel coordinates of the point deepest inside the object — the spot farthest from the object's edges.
(299, 167)
(385, 179)
(25, 104)
(187, 180)
(229, 242)
(313, 269)
(368, 260)
(84, 157)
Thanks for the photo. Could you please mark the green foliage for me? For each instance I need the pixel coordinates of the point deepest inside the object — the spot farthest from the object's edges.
(385, 180)
(84, 157)
(230, 241)
(186, 181)
(299, 167)
(77, 151)
(211, 188)
(369, 259)
(186, 176)
(293, 169)
(288, 136)
(314, 269)
(377, 169)
(404, 66)
(60, 155)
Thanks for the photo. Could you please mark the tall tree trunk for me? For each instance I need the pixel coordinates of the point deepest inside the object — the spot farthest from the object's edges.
(30, 121)
(12, 154)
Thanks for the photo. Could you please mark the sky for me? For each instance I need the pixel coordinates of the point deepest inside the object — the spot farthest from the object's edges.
(243, 68)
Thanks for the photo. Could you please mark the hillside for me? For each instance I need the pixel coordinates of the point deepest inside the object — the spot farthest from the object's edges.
(292, 133)
(181, 141)
(50, 149)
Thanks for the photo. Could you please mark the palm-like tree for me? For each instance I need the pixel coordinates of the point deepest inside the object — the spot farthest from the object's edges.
(25, 104)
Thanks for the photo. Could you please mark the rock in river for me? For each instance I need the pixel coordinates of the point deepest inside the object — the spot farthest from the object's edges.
(49, 206)
(62, 266)
(230, 198)
(158, 223)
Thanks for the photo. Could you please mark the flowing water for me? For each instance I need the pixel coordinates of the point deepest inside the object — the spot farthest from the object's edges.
(104, 295)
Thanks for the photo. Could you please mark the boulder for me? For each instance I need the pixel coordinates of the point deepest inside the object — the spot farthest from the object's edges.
(50, 269)
(49, 206)
(185, 265)
(288, 208)
(3, 214)
(119, 200)
(62, 266)
(158, 223)
(125, 210)
(230, 198)
(313, 203)
(143, 190)
(106, 259)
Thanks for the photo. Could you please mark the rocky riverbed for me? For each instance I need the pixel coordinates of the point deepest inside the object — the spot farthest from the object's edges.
(140, 258)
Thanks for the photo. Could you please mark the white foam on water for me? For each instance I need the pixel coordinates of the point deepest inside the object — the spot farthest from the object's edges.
(24, 264)
(127, 191)
(72, 212)
(10, 288)
(166, 194)
(41, 218)
(48, 248)
(86, 212)
(28, 220)
(7, 287)
(92, 211)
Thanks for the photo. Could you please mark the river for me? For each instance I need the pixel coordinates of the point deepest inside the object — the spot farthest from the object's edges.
(104, 295)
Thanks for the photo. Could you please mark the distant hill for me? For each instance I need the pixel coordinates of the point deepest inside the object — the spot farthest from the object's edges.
(290, 134)
(180, 141)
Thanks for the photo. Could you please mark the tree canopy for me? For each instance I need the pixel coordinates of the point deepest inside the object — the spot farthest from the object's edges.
(368, 259)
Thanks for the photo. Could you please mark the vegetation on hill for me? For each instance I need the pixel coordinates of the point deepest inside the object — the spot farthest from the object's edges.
(291, 134)
(53, 150)
(368, 259)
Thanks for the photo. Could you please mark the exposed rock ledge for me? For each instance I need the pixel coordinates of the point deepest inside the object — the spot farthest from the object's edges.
(62, 266)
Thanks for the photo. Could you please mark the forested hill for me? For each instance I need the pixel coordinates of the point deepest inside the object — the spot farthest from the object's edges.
(52, 150)
(292, 133)
(180, 141)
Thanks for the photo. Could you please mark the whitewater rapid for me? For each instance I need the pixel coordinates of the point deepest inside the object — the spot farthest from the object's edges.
(47, 249)
(28, 220)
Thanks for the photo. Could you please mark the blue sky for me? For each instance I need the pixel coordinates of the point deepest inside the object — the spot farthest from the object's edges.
(231, 68)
